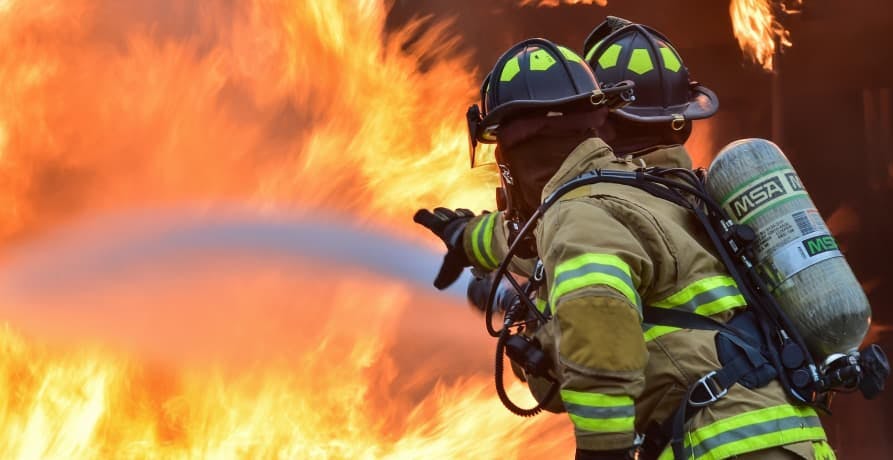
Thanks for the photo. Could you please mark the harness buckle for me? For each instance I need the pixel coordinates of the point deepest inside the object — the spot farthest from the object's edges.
(711, 386)
(597, 97)
(539, 271)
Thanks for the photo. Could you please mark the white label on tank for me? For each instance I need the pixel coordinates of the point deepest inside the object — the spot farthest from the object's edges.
(762, 193)
(798, 255)
(787, 228)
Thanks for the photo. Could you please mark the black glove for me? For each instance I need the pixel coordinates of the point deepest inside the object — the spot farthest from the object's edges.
(603, 455)
(448, 225)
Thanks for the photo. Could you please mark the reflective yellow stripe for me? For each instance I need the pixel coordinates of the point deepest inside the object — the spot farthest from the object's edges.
(752, 431)
(609, 425)
(482, 235)
(763, 441)
(708, 296)
(652, 332)
(595, 399)
(590, 270)
(488, 241)
(601, 413)
(749, 418)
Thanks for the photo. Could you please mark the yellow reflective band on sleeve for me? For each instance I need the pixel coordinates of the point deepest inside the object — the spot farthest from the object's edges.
(600, 413)
(611, 425)
(707, 297)
(595, 399)
(488, 240)
(481, 241)
(652, 332)
(752, 431)
(592, 270)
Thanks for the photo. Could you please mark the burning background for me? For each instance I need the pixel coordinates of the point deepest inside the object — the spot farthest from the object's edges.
(205, 212)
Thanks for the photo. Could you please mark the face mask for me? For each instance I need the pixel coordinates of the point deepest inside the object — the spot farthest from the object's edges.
(533, 163)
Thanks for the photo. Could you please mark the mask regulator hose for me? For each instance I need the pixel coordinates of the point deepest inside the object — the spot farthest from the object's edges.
(519, 345)
(522, 350)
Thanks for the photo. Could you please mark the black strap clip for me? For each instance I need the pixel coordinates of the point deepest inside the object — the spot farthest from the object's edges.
(712, 389)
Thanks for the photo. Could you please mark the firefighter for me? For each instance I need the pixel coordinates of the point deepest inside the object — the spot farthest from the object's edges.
(609, 249)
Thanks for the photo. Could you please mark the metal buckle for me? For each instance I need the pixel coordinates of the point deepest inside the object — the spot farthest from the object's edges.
(597, 97)
(539, 271)
(705, 381)
(678, 122)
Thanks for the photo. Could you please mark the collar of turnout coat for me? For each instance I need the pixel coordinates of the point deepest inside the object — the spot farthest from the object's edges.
(593, 153)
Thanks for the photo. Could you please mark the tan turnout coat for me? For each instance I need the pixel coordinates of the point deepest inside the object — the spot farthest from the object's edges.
(609, 249)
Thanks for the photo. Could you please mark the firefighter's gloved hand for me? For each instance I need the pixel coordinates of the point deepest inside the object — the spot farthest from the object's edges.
(448, 225)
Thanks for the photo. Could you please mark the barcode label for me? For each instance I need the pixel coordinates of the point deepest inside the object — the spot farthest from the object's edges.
(803, 223)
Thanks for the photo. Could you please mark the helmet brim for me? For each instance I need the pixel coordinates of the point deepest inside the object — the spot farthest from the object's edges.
(617, 96)
(703, 104)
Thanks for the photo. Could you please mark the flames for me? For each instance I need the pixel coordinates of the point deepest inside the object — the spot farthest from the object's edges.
(758, 30)
(282, 103)
(554, 3)
(331, 376)
(277, 104)
(298, 105)
(755, 24)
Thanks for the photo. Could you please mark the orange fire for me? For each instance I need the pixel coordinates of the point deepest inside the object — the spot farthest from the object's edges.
(759, 32)
(259, 366)
(282, 103)
(299, 105)
(554, 3)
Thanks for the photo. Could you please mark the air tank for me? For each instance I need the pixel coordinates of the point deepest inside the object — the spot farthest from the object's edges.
(796, 254)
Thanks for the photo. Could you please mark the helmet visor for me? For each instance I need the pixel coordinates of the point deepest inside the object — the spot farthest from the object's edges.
(483, 155)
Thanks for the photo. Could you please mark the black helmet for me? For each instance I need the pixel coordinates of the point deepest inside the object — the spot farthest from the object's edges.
(537, 78)
(620, 50)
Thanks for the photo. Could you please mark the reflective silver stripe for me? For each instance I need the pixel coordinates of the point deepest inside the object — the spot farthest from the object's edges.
(593, 270)
(709, 296)
(600, 412)
(749, 436)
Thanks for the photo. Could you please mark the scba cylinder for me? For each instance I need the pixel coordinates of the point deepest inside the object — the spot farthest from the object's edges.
(796, 254)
